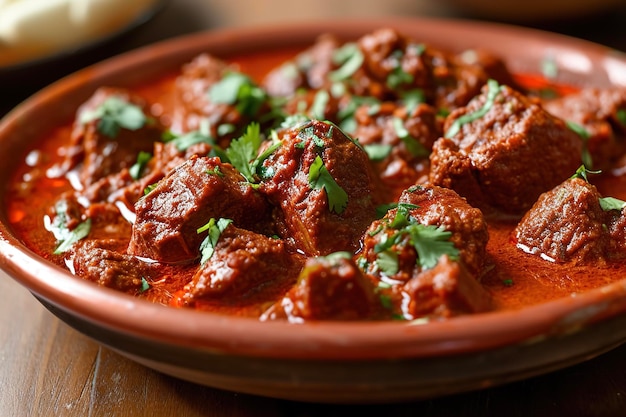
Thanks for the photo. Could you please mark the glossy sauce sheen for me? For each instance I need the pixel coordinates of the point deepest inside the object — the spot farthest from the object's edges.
(515, 278)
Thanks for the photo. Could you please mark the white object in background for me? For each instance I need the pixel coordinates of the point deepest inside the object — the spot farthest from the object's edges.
(32, 28)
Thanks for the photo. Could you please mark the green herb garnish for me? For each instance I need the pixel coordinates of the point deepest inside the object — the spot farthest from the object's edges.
(114, 114)
(621, 116)
(239, 90)
(318, 108)
(215, 229)
(430, 242)
(243, 151)
(414, 146)
(320, 179)
(377, 152)
(145, 285)
(350, 58)
(494, 89)
(215, 171)
(401, 219)
(64, 236)
(142, 160)
(611, 203)
(585, 136)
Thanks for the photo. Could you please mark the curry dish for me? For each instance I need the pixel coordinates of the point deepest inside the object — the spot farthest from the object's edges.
(377, 179)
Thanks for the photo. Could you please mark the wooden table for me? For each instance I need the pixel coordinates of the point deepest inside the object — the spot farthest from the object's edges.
(49, 369)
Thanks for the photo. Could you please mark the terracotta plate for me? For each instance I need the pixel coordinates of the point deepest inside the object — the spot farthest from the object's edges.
(329, 362)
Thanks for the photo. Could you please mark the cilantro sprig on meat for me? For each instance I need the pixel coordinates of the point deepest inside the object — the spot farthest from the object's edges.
(66, 237)
(606, 203)
(239, 90)
(321, 179)
(492, 92)
(243, 154)
(114, 114)
(430, 242)
(214, 228)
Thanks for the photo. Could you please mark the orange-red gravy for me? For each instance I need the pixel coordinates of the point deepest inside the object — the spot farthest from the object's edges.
(514, 278)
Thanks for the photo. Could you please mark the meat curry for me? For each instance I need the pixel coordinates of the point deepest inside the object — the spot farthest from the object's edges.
(380, 179)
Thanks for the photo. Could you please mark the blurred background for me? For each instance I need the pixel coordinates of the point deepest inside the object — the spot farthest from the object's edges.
(143, 22)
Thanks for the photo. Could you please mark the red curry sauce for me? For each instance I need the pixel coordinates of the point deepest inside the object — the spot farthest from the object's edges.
(514, 278)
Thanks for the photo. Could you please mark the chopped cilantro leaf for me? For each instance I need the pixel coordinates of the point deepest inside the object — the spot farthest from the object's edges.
(145, 285)
(149, 188)
(494, 89)
(412, 99)
(584, 135)
(398, 77)
(582, 172)
(377, 152)
(114, 114)
(621, 116)
(238, 89)
(431, 242)
(350, 58)
(401, 219)
(320, 178)
(142, 160)
(243, 151)
(215, 229)
(215, 171)
(414, 146)
(384, 208)
(69, 237)
(318, 108)
(611, 203)
(387, 261)
(257, 166)
(59, 228)
(507, 282)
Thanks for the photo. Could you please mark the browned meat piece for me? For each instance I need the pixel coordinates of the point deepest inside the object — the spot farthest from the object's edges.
(309, 70)
(68, 219)
(110, 131)
(242, 263)
(324, 185)
(394, 63)
(200, 189)
(599, 115)
(445, 291)
(444, 207)
(328, 288)
(503, 150)
(100, 262)
(399, 140)
(209, 90)
(390, 244)
(568, 223)
(492, 64)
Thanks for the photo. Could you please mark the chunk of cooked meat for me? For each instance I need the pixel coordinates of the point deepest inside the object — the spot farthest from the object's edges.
(503, 150)
(324, 185)
(428, 217)
(112, 127)
(600, 116)
(445, 291)
(242, 263)
(101, 262)
(568, 223)
(168, 217)
(328, 288)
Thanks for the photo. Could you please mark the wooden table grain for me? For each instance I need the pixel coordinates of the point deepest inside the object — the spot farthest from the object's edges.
(49, 369)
